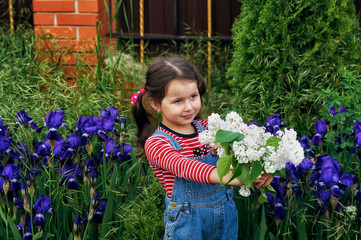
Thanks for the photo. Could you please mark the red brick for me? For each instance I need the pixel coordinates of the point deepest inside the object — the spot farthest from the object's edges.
(44, 45)
(73, 19)
(43, 18)
(88, 59)
(53, 6)
(55, 32)
(70, 71)
(66, 58)
(88, 6)
(55, 58)
(87, 33)
(76, 45)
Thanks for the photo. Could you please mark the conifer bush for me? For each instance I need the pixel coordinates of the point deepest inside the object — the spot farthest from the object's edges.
(286, 52)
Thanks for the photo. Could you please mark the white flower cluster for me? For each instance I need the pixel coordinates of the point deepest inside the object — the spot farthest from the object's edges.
(244, 191)
(254, 145)
(351, 211)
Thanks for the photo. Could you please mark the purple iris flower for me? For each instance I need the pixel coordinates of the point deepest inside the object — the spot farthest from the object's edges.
(323, 192)
(277, 202)
(332, 110)
(11, 172)
(253, 123)
(2, 182)
(24, 119)
(5, 143)
(110, 150)
(342, 109)
(53, 121)
(274, 123)
(125, 154)
(107, 126)
(70, 174)
(87, 127)
(79, 222)
(66, 150)
(320, 130)
(41, 206)
(27, 228)
(356, 127)
(110, 112)
(4, 130)
(305, 143)
(42, 151)
(316, 139)
(99, 210)
(301, 170)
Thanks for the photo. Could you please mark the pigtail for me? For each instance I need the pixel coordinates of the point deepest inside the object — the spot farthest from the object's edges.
(144, 120)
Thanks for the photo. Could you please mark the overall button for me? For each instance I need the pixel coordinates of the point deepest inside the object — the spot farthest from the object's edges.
(171, 219)
(174, 204)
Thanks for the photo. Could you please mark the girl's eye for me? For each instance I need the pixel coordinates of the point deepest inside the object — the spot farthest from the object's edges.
(194, 96)
(177, 101)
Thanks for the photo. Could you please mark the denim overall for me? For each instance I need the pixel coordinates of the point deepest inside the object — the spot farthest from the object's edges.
(198, 211)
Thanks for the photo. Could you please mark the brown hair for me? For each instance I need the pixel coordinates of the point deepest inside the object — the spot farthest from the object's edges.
(159, 74)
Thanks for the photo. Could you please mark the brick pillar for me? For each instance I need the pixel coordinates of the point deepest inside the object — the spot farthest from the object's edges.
(68, 28)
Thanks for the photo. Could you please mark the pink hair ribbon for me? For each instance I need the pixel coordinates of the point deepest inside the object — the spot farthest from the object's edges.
(135, 96)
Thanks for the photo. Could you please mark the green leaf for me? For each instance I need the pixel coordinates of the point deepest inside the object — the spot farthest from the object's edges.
(227, 147)
(228, 136)
(273, 142)
(14, 229)
(281, 173)
(256, 169)
(223, 166)
(261, 229)
(71, 237)
(301, 228)
(47, 235)
(245, 176)
(3, 216)
(237, 171)
(38, 235)
(263, 198)
(271, 190)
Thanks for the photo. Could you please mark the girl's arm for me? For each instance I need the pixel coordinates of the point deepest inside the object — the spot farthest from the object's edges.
(263, 181)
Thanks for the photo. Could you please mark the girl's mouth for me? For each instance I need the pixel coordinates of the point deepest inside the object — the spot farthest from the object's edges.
(188, 116)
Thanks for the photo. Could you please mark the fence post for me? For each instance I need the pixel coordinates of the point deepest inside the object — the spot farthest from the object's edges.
(209, 18)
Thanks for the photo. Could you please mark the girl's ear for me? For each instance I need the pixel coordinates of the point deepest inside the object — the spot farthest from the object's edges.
(155, 105)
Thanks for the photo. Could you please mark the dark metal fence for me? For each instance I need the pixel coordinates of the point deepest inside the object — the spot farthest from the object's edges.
(176, 20)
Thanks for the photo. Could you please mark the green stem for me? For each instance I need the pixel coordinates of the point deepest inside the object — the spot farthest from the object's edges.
(7, 216)
(90, 217)
(31, 215)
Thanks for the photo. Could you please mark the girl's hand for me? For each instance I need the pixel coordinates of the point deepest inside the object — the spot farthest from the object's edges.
(263, 181)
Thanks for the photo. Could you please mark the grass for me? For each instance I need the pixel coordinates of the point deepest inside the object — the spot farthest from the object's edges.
(135, 197)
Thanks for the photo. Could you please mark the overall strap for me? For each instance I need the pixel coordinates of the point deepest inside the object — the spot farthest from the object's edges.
(199, 125)
(175, 144)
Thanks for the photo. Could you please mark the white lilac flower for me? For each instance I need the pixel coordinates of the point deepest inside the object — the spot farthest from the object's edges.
(244, 191)
(215, 123)
(290, 148)
(206, 137)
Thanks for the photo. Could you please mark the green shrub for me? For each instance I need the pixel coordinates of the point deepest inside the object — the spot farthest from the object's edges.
(286, 52)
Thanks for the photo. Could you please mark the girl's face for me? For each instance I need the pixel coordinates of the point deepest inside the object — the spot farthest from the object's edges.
(180, 105)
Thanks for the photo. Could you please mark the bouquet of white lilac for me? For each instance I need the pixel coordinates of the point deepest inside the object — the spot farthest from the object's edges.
(250, 150)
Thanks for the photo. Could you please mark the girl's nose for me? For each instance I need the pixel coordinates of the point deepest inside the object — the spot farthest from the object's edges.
(187, 106)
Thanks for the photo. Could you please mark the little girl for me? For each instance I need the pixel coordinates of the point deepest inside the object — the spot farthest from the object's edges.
(195, 207)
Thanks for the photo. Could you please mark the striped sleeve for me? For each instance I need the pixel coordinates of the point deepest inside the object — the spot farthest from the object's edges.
(160, 153)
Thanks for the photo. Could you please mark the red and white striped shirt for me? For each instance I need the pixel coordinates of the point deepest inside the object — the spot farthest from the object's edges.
(167, 163)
